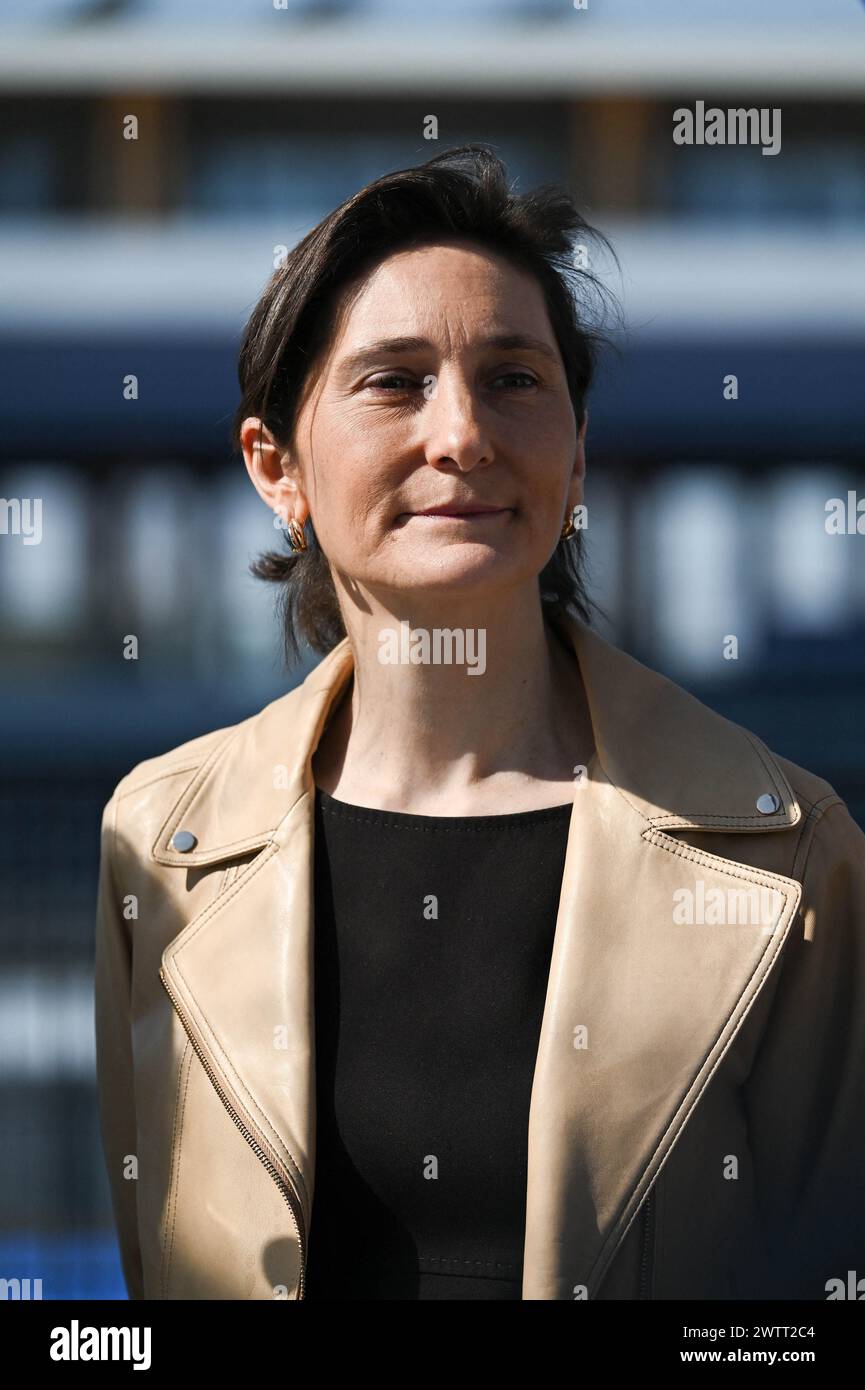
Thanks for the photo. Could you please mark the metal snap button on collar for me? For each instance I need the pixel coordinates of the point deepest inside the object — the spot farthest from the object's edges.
(767, 804)
(183, 841)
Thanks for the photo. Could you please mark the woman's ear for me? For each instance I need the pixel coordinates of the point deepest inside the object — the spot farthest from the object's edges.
(270, 470)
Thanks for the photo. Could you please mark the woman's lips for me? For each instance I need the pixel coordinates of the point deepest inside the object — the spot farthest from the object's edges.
(485, 512)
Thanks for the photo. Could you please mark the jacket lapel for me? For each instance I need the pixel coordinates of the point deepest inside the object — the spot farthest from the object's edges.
(639, 1011)
(659, 1002)
(241, 972)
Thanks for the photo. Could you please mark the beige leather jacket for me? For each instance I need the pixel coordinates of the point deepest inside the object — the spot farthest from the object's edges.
(697, 1122)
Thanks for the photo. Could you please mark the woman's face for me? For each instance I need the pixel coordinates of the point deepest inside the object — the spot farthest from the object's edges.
(443, 386)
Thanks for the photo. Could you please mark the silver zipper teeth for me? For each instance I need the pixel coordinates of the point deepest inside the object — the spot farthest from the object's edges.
(646, 1214)
(648, 1233)
(286, 1188)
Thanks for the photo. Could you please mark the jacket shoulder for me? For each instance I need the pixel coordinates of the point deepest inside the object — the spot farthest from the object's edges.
(813, 792)
(153, 777)
(185, 757)
(144, 796)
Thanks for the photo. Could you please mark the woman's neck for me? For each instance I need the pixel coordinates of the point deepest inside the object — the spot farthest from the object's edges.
(503, 726)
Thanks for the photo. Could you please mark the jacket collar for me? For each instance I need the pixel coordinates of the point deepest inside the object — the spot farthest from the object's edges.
(679, 764)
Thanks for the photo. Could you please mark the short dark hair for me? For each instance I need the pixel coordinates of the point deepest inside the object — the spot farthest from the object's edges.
(462, 193)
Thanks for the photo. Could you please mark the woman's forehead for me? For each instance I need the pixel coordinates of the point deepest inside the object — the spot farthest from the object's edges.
(426, 288)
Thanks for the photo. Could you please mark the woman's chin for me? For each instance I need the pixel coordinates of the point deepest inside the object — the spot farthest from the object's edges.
(455, 573)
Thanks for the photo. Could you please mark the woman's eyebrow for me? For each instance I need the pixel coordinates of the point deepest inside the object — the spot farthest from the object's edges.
(382, 348)
(346, 368)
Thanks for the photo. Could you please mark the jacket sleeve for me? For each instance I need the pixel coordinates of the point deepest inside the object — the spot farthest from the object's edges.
(114, 1070)
(805, 1097)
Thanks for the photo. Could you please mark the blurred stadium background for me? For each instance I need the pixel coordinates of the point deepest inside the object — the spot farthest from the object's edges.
(116, 257)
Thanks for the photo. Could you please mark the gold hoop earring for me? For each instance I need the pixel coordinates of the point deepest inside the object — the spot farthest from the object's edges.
(569, 529)
(296, 536)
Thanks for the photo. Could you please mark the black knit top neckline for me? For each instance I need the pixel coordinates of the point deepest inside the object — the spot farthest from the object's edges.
(374, 815)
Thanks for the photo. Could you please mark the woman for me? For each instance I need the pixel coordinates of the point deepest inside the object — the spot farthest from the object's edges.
(583, 1011)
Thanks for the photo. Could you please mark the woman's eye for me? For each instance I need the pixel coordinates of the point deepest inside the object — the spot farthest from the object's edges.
(518, 376)
(384, 381)
(398, 381)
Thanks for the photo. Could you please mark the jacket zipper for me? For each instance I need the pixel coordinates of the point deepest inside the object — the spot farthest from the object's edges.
(287, 1189)
(648, 1240)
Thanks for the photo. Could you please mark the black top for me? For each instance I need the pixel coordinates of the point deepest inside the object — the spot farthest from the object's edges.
(433, 937)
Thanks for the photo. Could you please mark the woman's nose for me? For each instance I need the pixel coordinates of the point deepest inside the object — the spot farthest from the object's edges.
(455, 425)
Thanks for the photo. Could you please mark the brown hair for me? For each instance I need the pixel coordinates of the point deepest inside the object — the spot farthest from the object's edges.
(463, 192)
